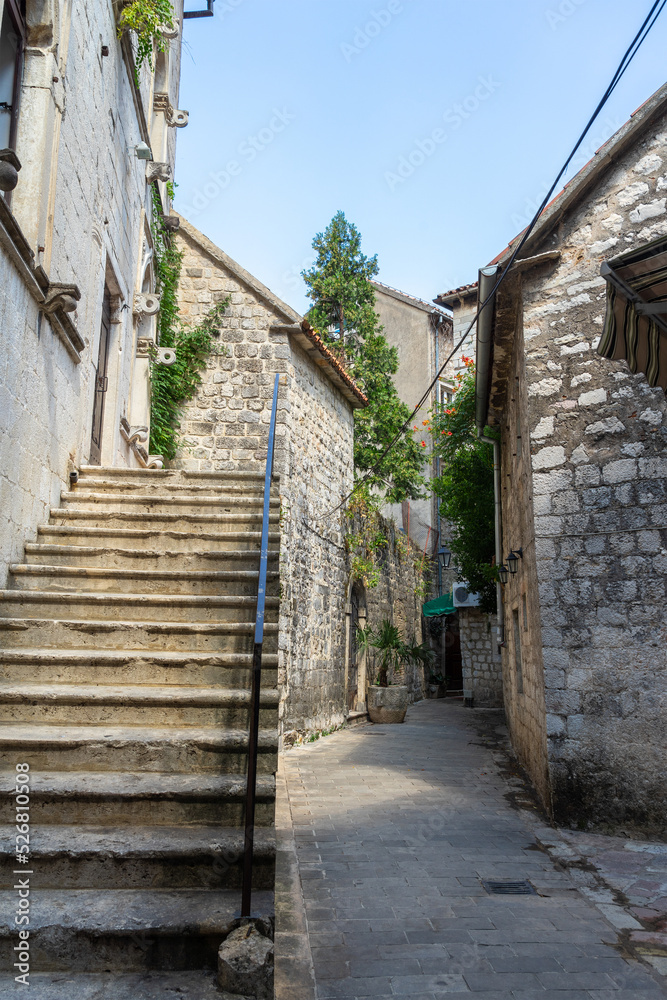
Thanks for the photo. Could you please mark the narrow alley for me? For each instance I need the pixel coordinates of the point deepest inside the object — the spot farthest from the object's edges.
(399, 832)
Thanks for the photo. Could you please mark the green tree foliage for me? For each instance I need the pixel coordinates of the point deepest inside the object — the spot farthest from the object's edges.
(146, 17)
(343, 313)
(465, 487)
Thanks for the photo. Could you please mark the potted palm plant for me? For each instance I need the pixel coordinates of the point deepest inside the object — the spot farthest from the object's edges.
(387, 700)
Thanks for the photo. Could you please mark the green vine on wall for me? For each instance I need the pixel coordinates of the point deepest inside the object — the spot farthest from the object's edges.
(366, 543)
(173, 385)
(146, 18)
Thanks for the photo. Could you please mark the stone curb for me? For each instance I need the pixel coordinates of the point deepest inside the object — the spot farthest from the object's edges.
(294, 973)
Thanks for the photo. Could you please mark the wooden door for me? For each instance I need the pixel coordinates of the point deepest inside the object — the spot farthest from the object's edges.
(101, 382)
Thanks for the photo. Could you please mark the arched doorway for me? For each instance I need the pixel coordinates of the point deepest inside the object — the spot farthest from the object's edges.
(355, 673)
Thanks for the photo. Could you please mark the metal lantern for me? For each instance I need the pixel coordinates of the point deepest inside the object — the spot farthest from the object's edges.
(503, 573)
(444, 557)
(513, 560)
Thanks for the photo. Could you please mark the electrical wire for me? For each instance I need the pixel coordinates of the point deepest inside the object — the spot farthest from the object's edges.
(650, 19)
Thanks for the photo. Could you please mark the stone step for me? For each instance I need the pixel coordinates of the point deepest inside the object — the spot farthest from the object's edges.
(167, 583)
(174, 476)
(190, 750)
(132, 930)
(172, 487)
(211, 521)
(202, 637)
(185, 503)
(194, 984)
(44, 666)
(134, 705)
(124, 557)
(140, 857)
(101, 605)
(153, 540)
(114, 798)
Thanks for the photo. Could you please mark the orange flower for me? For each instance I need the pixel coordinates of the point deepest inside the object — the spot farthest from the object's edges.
(423, 444)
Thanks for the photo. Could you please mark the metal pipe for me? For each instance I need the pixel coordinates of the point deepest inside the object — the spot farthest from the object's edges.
(253, 734)
(497, 529)
(487, 281)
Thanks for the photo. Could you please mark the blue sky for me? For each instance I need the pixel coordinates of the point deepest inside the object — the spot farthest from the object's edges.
(435, 126)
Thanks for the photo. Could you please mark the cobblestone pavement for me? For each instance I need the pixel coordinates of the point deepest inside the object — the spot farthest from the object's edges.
(396, 827)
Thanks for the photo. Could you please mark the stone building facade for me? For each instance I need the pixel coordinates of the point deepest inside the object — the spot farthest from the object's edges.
(422, 334)
(75, 249)
(225, 427)
(481, 661)
(584, 497)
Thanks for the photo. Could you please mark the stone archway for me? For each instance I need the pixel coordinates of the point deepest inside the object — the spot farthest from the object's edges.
(355, 659)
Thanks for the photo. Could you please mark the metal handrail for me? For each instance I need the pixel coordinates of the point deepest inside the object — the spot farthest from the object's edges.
(253, 735)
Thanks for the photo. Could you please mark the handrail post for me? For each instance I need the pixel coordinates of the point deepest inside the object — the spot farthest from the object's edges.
(253, 735)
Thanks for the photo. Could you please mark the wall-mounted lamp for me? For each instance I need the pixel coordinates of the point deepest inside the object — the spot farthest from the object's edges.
(142, 151)
(513, 560)
(444, 557)
(503, 573)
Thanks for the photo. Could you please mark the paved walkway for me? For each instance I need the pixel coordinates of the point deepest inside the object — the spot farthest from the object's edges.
(395, 828)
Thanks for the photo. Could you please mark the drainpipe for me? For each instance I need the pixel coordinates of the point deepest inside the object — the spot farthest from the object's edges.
(435, 327)
(497, 526)
(487, 279)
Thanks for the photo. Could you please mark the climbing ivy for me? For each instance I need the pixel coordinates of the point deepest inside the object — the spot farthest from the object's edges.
(173, 385)
(146, 17)
(371, 536)
(364, 545)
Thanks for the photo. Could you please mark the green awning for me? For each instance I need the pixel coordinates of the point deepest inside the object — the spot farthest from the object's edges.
(440, 606)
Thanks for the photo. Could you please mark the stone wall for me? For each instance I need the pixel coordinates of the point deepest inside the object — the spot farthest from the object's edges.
(414, 328)
(226, 428)
(482, 665)
(397, 597)
(598, 483)
(80, 204)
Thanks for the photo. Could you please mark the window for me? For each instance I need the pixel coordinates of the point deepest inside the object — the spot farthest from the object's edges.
(12, 41)
(445, 394)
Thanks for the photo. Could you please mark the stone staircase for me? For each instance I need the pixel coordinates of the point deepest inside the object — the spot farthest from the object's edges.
(125, 651)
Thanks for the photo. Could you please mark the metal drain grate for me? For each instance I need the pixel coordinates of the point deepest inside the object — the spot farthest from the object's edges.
(509, 888)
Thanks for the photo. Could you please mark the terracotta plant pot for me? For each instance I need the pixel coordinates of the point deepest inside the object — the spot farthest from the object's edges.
(387, 704)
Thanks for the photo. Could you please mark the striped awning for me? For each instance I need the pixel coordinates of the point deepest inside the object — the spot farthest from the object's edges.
(635, 327)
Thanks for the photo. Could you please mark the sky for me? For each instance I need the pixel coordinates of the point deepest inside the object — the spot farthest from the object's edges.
(436, 126)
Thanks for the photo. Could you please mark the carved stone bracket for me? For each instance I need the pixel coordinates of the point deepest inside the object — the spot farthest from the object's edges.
(174, 117)
(61, 297)
(168, 32)
(9, 169)
(116, 309)
(166, 356)
(146, 304)
(156, 171)
(145, 347)
(136, 437)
